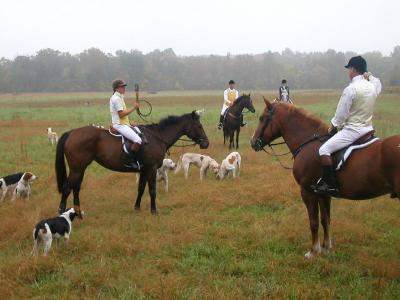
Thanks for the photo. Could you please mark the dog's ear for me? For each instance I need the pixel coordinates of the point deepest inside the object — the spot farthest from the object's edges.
(27, 176)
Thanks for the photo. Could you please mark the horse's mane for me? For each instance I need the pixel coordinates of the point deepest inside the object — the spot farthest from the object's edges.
(170, 120)
(316, 121)
(240, 98)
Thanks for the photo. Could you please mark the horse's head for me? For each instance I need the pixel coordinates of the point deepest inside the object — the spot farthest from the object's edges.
(195, 130)
(266, 132)
(246, 102)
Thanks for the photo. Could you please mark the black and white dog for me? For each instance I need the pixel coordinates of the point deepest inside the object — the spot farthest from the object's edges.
(54, 228)
(21, 182)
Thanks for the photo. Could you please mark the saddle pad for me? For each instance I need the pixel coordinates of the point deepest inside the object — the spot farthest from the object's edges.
(342, 155)
(126, 144)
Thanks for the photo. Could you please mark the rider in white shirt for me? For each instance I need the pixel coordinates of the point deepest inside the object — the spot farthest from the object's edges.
(120, 120)
(352, 120)
(230, 95)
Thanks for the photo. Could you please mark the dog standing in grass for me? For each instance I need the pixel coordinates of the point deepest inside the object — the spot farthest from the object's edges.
(55, 228)
(201, 161)
(230, 165)
(52, 136)
(20, 182)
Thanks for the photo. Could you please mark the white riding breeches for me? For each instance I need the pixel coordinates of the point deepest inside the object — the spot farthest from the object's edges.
(224, 108)
(128, 132)
(343, 138)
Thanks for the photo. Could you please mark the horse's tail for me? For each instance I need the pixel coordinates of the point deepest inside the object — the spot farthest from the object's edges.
(179, 165)
(61, 170)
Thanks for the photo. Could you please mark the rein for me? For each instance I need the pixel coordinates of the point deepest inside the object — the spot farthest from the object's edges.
(259, 142)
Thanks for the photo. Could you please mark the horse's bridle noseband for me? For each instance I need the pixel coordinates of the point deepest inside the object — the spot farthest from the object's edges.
(260, 143)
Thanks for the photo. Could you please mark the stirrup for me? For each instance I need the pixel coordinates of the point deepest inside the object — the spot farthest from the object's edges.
(133, 165)
(243, 124)
(220, 125)
(323, 188)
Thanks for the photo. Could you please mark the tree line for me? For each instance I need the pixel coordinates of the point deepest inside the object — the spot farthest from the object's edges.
(93, 70)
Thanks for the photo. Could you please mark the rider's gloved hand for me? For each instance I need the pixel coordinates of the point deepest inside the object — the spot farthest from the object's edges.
(332, 130)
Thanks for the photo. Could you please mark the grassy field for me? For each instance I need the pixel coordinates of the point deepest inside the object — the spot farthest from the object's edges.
(235, 239)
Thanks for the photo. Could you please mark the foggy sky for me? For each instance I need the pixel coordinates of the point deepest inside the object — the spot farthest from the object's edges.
(198, 27)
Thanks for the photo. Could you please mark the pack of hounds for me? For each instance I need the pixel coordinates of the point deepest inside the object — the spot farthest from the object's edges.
(60, 227)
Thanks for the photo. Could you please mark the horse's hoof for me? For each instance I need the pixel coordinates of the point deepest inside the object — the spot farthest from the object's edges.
(154, 212)
(325, 251)
(137, 209)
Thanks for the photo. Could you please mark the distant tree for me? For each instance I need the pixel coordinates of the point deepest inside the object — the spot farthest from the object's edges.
(93, 70)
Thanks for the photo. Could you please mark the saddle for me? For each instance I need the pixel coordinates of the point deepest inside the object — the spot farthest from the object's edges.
(126, 144)
(341, 156)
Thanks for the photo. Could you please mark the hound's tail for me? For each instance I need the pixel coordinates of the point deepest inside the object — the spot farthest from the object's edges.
(179, 164)
(61, 170)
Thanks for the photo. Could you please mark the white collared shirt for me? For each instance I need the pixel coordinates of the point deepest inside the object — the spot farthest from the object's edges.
(343, 109)
(116, 105)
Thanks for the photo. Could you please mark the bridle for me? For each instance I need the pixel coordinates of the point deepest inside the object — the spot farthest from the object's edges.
(193, 142)
(260, 143)
(237, 115)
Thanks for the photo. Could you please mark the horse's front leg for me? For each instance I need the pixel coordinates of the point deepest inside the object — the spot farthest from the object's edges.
(152, 181)
(237, 138)
(231, 142)
(311, 201)
(141, 187)
(325, 209)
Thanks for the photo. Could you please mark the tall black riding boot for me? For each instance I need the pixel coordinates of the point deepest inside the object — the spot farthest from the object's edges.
(327, 184)
(132, 162)
(221, 121)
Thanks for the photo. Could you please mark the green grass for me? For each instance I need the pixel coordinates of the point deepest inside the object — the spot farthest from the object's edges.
(235, 239)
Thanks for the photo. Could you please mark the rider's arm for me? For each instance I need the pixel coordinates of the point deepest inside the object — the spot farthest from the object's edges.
(343, 108)
(375, 81)
(226, 101)
(120, 109)
(124, 113)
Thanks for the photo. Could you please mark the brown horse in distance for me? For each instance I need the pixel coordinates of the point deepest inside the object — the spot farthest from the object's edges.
(83, 145)
(233, 119)
(368, 173)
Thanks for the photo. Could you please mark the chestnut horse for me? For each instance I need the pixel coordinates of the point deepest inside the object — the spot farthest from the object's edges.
(233, 118)
(83, 145)
(368, 173)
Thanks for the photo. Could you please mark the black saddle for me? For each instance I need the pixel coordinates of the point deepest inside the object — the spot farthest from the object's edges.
(132, 162)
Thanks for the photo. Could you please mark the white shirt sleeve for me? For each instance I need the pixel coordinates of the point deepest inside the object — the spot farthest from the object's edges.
(226, 101)
(343, 108)
(377, 84)
(117, 104)
(237, 94)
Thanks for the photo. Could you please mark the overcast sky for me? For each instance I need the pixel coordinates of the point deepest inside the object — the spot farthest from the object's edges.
(198, 27)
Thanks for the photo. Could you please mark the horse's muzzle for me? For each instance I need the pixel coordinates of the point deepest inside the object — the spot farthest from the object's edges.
(203, 144)
(257, 144)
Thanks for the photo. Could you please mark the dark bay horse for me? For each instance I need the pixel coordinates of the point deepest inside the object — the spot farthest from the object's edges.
(369, 172)
(233, 119)
(83, 145)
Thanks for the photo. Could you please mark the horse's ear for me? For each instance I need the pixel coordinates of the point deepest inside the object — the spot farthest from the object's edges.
(267, 103)
(199, 112)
